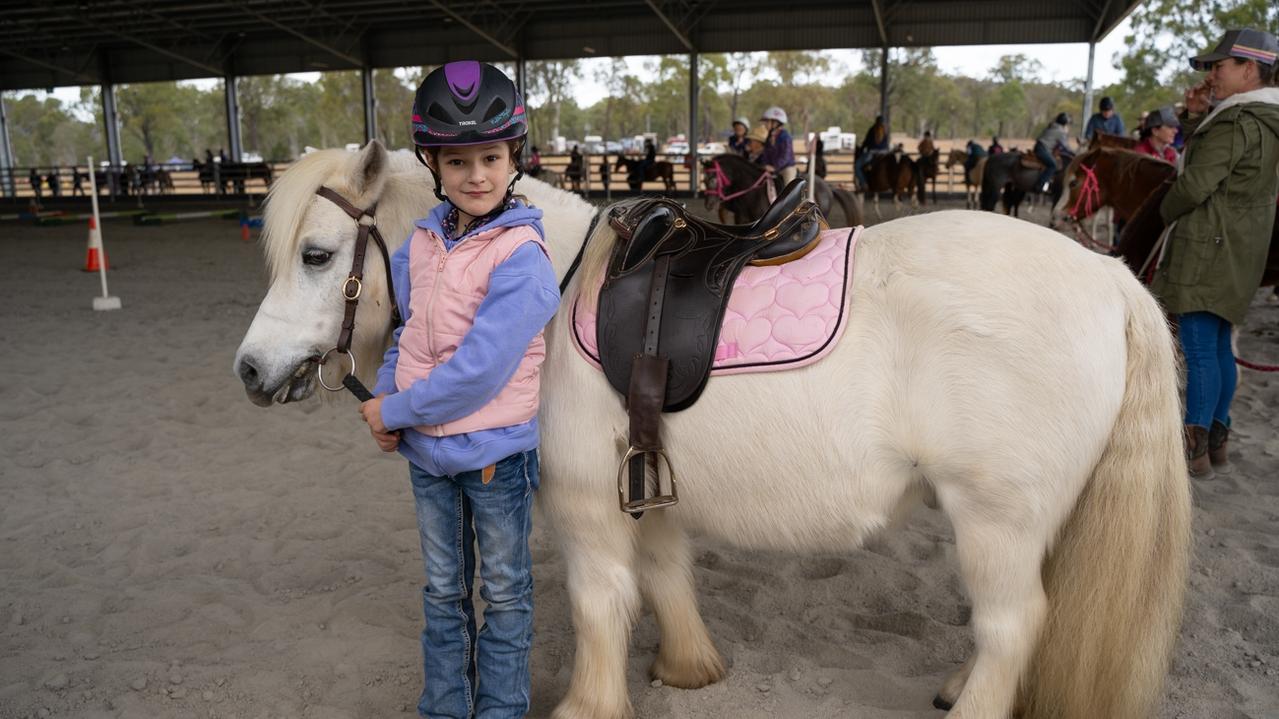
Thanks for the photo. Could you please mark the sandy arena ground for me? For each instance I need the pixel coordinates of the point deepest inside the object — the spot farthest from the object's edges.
(168, 549)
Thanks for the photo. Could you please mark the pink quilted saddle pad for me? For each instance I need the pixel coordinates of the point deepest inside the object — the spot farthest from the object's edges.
(778, 317)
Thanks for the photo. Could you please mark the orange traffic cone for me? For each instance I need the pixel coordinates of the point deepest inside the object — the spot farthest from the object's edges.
(95, 254)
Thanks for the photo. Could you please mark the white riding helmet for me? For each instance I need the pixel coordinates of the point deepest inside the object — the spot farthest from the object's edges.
(774, 113)
(743, 122)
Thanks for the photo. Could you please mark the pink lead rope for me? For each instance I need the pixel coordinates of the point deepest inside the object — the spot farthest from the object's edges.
(722, 183)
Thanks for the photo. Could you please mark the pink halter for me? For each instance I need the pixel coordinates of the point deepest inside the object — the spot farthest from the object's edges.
(1089, 199)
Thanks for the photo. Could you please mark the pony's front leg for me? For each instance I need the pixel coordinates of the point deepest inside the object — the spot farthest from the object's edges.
(878, 215)
(686, 657)
(600, 551)
(1001, 565)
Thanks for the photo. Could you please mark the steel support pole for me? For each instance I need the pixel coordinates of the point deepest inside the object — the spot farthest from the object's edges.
(111, 123)
(7, 186)
(235, 153)
(1092, 54)
(692, 122)
(370, 105)
(883, 86)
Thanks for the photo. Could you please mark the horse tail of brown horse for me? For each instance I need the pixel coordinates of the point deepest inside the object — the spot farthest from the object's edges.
(852, 211)
(1116, 577)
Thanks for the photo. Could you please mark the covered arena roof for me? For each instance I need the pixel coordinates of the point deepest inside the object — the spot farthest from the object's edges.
(47, 44)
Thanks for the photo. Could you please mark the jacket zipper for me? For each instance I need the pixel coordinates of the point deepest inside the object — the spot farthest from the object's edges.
(435, 286)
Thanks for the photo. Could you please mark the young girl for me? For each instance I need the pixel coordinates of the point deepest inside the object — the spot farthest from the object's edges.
(460, 386)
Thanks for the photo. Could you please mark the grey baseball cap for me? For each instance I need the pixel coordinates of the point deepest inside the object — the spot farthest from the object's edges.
(1245, 44)
(1161, 117)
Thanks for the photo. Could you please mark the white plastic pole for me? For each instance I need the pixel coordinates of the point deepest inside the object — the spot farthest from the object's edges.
(106, 301)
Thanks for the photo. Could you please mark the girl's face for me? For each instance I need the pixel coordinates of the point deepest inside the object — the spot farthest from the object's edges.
(475, 177)
(739, 129)
(1165, 134)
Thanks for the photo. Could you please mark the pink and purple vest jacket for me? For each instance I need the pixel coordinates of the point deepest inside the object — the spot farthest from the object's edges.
(446, 289)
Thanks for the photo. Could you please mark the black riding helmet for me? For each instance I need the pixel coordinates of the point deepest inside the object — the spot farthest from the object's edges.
(1062, 119)
(468, 103)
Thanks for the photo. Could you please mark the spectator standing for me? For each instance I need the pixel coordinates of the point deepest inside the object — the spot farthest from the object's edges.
(1223, 207)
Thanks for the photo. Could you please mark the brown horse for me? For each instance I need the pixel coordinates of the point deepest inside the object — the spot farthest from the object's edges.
(660, 170)
(972, 178)
(740, 187)
(896, 173)
(1108, 177)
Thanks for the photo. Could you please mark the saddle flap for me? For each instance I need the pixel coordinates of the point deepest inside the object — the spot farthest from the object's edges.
(644, 229)
(1029, 160)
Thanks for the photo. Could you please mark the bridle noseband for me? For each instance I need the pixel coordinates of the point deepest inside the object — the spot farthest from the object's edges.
(353, 287)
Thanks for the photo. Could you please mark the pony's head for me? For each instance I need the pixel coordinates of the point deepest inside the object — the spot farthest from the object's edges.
(1086, 192)
(309, 244)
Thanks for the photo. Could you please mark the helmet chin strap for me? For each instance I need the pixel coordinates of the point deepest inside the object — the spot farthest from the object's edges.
(439, 193)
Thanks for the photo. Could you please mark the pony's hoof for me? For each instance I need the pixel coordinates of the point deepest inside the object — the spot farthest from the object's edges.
(573, 709)
(690, 672)
(942, 704)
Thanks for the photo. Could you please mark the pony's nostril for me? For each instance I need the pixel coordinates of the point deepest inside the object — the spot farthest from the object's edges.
(248, 372)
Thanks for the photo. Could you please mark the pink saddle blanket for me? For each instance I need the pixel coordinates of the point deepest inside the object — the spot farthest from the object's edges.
(778, 317)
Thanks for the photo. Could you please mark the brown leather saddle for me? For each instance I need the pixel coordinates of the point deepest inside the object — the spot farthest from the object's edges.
(1030, 161)
(661, 306)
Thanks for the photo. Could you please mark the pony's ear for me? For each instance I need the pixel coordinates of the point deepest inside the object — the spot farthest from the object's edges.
(368, 174)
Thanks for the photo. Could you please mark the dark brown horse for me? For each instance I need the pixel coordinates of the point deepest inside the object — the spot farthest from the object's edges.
(744, 185)
(1118, 142)
(894, 173)
(660, 170)
(1009, 177)
(928, 167)
(1137, 243)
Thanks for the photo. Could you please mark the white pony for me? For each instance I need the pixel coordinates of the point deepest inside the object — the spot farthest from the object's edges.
(990, 367)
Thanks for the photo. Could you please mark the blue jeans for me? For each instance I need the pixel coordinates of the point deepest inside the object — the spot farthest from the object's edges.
(859, 167)
(1210, 367)
(480, 674)
(1045, 156)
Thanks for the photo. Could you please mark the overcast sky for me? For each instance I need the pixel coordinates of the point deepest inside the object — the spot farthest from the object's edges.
(1061, 62)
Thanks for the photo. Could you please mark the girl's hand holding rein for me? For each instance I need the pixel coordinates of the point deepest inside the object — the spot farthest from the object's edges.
(371, 411)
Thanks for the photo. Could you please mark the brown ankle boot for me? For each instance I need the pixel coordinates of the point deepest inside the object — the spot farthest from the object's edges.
(1218, 441)
(1197, 452)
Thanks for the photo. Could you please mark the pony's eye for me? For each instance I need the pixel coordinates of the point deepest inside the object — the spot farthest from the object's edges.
(316, 258)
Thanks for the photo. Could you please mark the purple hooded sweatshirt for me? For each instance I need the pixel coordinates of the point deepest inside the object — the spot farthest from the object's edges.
(522, 297)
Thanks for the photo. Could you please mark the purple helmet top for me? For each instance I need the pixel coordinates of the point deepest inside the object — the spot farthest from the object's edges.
(467, 103)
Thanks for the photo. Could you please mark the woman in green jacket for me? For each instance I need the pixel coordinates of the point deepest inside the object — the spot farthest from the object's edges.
(1223, 207)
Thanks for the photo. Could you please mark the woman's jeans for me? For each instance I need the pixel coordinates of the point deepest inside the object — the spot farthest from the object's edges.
(1210, 367)
(1050, 165)
(482, 674)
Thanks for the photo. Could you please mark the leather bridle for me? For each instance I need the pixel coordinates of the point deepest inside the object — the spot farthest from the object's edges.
(353, 287)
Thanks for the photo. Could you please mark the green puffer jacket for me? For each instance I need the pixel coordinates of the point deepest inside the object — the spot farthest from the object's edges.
(1224, 205)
